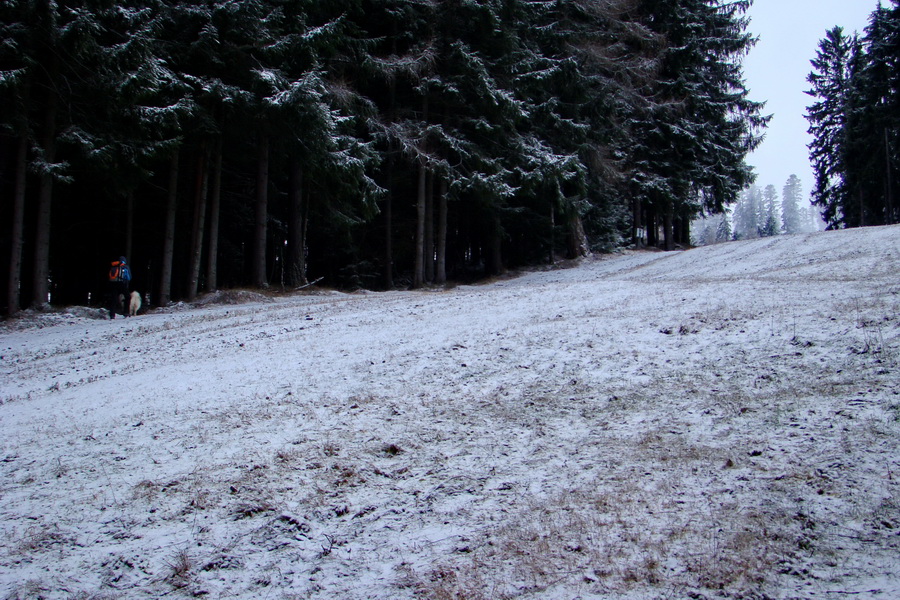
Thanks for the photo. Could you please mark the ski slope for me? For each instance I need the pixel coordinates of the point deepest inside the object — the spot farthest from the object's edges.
(714, 423)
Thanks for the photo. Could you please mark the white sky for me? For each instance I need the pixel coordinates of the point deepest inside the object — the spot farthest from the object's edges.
(789, 32)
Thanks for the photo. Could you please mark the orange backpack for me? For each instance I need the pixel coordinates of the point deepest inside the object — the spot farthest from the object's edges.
(116, 271)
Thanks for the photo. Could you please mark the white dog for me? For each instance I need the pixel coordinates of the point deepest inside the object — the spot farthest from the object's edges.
(134, 304)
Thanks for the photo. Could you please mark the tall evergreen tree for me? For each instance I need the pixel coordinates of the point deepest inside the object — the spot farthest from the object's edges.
(701, 109)
(827, 117)
(791, 199)
(771, 222)
(872, 122)
(16, 73)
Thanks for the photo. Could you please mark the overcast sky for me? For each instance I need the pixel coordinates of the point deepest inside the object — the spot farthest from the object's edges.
(789, 32)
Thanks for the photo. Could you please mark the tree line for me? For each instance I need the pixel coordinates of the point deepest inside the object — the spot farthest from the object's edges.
(373, 143)
(760, 212)
(855, 122)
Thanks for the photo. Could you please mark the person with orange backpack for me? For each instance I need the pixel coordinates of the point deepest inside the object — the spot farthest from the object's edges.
(119, 278)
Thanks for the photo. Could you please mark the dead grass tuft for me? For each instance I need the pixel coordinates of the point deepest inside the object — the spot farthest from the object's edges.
(245, 510)
(181, 567)
(145, 490)
(288, 456)
(331, 449)
(392, 449)
(41, 538)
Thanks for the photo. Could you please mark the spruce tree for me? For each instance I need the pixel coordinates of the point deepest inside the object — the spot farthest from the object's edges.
(723, 230)
(872, 121)
(791, 198)
(770, 206)
(16, 75)
(827, 118)
(701, 110)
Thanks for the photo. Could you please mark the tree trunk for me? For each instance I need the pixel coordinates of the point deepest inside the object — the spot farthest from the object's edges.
(419, 265)
(258, 252)
(651, 226)
(215, 201)
(17, 235)
(889, 192)
(440, 276)
(296, 242)
(668, 226)
(388, 230)
(200, 198)
(637, 225)
(165, 276)
(429, 228)
(550, 256)
(579, 246)
(41, 269)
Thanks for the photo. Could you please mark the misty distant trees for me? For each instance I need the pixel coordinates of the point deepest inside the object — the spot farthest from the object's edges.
(760, 212)
(855, 122)
(374, 143)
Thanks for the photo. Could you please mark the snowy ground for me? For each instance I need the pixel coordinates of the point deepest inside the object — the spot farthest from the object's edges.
(717, 423)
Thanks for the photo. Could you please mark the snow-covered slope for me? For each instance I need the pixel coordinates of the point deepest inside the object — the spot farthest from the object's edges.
(714, 423)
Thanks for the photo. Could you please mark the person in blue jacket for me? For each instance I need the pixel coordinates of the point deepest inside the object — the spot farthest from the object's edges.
(119, 278)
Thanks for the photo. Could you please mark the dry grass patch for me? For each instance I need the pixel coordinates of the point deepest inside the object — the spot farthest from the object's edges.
(667, 523)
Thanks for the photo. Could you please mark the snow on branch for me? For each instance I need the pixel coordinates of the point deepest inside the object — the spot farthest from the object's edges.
(12, 77)
(272, 78)
(412, 65)
(321, 31)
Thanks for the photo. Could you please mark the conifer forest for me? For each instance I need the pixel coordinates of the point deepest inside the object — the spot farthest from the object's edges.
(379, 143)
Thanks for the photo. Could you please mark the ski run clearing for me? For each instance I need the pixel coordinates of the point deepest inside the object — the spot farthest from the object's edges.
(722, 422)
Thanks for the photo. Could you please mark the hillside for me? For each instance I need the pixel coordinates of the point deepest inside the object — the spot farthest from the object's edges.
(717, 423)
